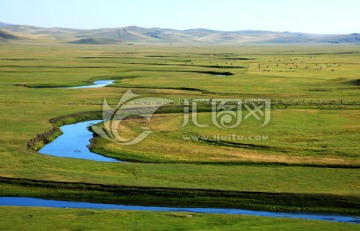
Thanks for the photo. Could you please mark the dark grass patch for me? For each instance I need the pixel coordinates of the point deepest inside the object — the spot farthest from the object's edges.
(99, 57)
(166, 88)
(335, 53)
(355, 82)
(122, 53)
(189, 65)
(265, 147)
(219, 54)
(179, 197)
(243, 145)
(325, 90)
(160, 56)
(37, 86)
(96, 41)
(225, 73)
(239, 58)
(222, 67)
(213, 72)
(60, 67)
(21, 59)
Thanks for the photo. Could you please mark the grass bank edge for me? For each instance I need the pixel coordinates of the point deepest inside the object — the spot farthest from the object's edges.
(179, 197)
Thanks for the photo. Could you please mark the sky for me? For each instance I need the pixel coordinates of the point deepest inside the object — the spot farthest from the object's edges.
(309, 16)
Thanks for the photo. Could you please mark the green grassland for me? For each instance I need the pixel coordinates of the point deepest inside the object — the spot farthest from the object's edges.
(300, 136)
(83, 219)
(315, 132)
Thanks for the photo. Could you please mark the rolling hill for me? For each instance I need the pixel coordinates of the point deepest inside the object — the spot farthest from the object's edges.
(140, 35)
(5, 35)
(95, 41)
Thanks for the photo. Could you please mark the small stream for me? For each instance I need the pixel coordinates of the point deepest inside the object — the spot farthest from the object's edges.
(36, 202)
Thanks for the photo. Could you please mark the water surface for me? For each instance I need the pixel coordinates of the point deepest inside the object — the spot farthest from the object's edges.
(96, 84)
(73, 143)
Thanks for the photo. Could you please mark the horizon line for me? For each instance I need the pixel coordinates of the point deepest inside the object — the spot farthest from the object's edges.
(166, 28)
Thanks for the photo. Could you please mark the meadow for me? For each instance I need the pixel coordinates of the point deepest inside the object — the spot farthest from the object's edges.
(312, 147)
(41, 219)
(294, 136)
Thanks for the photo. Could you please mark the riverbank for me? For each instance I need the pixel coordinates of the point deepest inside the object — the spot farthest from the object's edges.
(37, 202)
(96, 145)
(179, 197)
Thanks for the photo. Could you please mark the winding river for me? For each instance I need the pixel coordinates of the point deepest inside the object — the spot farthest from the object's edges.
(73, 144)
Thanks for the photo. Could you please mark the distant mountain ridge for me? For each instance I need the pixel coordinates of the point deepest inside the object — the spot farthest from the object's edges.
(95, 41)
(140, 35)
(4, 24)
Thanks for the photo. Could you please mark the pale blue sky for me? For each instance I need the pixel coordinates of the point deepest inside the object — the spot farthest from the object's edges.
(311, 16)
